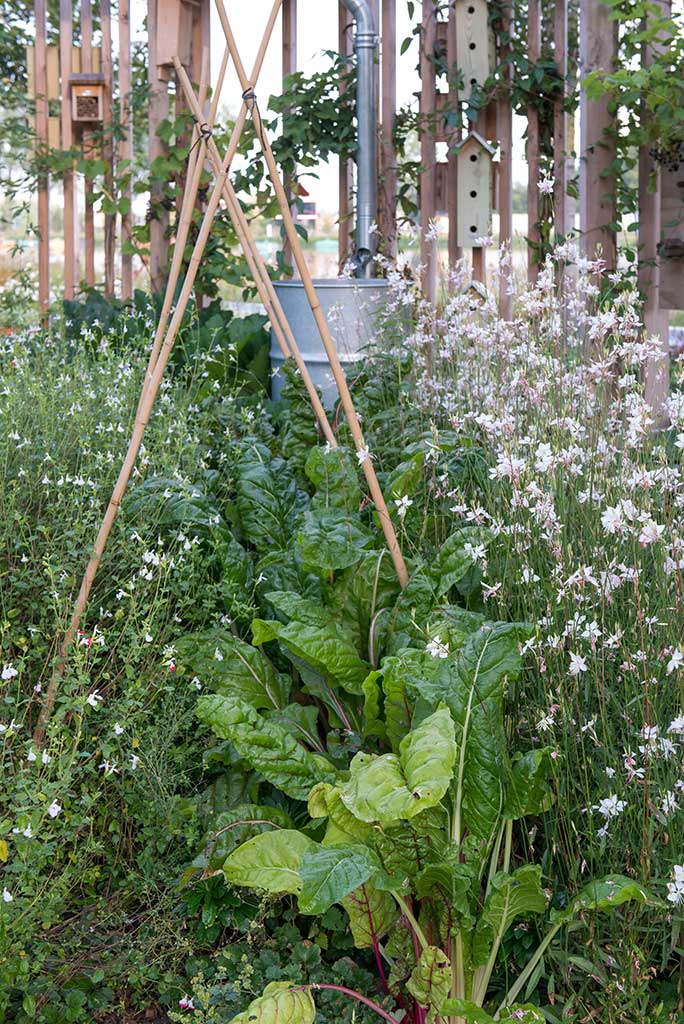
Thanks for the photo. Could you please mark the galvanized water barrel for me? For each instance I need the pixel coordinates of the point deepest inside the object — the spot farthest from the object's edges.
(351, 308)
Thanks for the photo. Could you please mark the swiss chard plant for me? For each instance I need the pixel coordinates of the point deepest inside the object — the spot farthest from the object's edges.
(363, 730)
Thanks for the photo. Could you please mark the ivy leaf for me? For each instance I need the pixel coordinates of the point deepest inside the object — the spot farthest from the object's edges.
(372, 912)
(329, 873)
(265, 745)
(430, 981)
(281, 1003)
(394, 787)
(269, 861)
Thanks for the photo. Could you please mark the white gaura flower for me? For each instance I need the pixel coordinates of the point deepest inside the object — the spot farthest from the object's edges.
(669, 803)
(677, 725)
(675, 888)
(135, 761)
(675, 661)
(54, 810)
(610, 807)
(577, 664)
(94, 699)
(437, 649)
(45, 757)
(612, 519)
(545, 185)
(118, 729)
(31, 756)
(218, 655)
(7, 896)
(651, 532)
(9, 672)
(362, 455)
(403, 505)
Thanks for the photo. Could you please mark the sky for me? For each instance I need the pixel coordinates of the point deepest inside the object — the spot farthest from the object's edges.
(316, 32)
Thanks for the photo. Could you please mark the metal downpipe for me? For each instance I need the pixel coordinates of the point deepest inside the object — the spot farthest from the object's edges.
(365, 48)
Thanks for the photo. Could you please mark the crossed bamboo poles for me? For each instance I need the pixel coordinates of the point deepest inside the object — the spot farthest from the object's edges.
(165, 336)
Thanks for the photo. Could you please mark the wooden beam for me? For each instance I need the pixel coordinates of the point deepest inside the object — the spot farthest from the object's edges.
(89, 150)
(108, 146)
(289, 26)
(560, 121)
(126, 143)
(454, 137)
(656, 320)
(41, 92)
(428, 90)
(505, 190)
(158, 111)
(65, 48)
(533, 234)
(346, 181)
(387, 213)
(598, 47)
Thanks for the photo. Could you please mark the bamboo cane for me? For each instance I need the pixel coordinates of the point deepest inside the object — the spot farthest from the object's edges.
(145, 408)
(257, 268)
(319, 316)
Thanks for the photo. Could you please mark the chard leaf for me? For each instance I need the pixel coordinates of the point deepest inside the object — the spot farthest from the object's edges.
(267, 501)
(454, 560)
(373, 724)
(335, 478)
(430, 981)
(372, 912)
(266, 745)
(473, 688)
(230, 666)
(604, 894)
(269, 861)
(281, 1003)
(231, 828)
(329, 541)
(528, 784)
(311, 635)
(398, 787)
(406, 847)
(510, 896)
(329, 873)
(325, 802)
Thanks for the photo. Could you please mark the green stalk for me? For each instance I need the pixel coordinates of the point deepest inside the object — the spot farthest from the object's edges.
(408, 914)
(525, 975)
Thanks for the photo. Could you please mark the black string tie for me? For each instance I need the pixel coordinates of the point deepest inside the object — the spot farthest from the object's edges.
(204, 133)
(249, 94)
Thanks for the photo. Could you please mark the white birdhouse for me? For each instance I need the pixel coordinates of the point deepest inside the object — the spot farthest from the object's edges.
(474, 189)
(475, 44)
(671, 248)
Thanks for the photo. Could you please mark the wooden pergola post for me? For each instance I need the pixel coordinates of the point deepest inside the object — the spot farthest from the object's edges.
(158, 110)
(598, 214)
(88, 148)
(65, 65)
(453, 138)
(656, 320)
(560, 119)
(533, 233)
(41, 89)
(126, 143)
(428, 99)
(504, 120)
(108, 147)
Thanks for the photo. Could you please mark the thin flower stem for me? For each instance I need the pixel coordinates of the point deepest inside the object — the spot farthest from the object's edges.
(521, 980)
